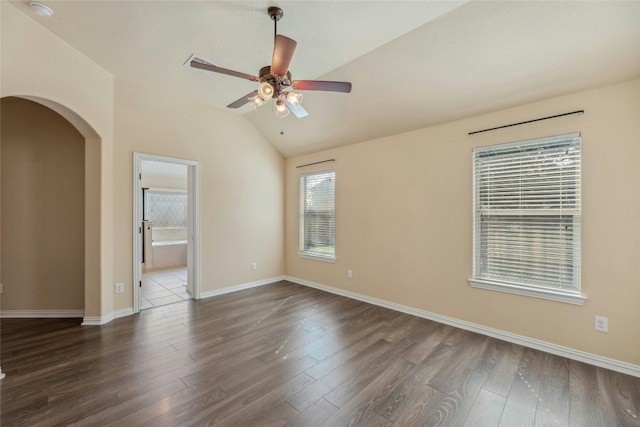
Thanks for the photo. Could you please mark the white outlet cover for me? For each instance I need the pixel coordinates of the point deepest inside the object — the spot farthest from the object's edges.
(601, 324)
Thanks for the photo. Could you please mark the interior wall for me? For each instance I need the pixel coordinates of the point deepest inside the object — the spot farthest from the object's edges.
(159, 175)
(241, 184)
(80, 90)
(42, 209)
(404, 222)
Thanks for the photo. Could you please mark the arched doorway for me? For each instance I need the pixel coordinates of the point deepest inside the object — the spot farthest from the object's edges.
(87, 229)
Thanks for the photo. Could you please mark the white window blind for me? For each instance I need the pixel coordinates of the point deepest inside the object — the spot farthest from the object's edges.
(527, 214)
(317, 215)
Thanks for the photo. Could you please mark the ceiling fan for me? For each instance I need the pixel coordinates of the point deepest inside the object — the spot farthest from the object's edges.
(274, 81)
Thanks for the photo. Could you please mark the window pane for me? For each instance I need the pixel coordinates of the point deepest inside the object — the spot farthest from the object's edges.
(528, 249)
(527, 213)
(317, 214)
(167, 209)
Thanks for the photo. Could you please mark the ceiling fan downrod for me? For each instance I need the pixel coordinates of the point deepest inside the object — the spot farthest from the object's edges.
(276, 14)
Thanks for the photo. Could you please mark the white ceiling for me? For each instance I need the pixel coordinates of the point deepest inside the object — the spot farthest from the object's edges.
(412, 63)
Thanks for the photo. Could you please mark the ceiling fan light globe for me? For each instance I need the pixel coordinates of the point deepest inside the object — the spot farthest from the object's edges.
(281, 109)
(265, 90)
(294, 99)
(256, 101)
(284, 113)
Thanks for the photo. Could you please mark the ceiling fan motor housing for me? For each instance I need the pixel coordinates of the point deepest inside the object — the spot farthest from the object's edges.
(276, 82)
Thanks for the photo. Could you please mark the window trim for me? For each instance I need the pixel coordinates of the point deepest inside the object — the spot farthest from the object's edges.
(571, 296)
(544, 293)
(301, 252)
(316, 257)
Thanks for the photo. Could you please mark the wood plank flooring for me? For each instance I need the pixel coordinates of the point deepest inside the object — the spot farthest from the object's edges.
(284, 354)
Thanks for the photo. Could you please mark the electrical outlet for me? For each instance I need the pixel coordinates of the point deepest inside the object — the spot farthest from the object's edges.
(601, 324)
(254, 266)
(349, 274)
(119, 288)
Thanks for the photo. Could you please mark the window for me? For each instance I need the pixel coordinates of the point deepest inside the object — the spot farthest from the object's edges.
(317, 215)
(166, 208)
(527, 218)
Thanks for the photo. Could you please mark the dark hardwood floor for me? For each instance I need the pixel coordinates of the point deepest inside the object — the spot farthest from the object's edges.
(284, 354)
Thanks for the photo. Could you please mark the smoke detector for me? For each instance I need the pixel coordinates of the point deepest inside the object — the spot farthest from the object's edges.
(41, 9)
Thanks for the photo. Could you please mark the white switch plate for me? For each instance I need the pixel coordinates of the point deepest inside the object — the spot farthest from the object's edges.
(254, 266)
(349, 274)
(119, 288)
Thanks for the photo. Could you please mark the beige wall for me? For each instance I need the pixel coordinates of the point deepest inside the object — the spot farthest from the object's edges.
(37, 65)
(154, 176)
(241, 184)
(404, 222)
(42, 209)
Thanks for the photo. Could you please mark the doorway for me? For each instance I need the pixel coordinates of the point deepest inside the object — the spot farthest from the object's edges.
(44, 211)
(166, 230)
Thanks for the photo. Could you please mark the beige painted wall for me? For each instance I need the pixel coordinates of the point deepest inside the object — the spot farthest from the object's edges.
(241, 184)
(42, 209)
(157, 175)
(37, 65)
(404, 222)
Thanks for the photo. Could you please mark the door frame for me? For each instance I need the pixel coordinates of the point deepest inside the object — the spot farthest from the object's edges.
(193, 191)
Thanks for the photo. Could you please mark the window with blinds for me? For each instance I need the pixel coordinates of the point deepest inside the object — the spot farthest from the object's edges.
(317, 215)
(527, 217)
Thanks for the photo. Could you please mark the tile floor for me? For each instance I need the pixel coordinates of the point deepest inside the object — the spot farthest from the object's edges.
(164, 287)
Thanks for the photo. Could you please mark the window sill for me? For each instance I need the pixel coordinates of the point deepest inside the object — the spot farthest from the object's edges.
(331, 260)
(549, 294)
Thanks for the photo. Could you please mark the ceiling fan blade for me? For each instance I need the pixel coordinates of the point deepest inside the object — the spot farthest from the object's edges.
(297, 110)
(344, 87)
(244, 100)
(282, 54)
(211, 67)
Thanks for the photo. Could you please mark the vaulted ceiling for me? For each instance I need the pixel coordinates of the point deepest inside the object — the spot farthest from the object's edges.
(412, 63)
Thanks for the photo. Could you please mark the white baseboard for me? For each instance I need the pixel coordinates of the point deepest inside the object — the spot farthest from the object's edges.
(235, 288)
(41, 314)
(94, 321)
(101, 320)
(123, 312)
(592, 359)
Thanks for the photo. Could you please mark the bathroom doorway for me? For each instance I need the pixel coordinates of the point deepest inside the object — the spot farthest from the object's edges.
(165, 231)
